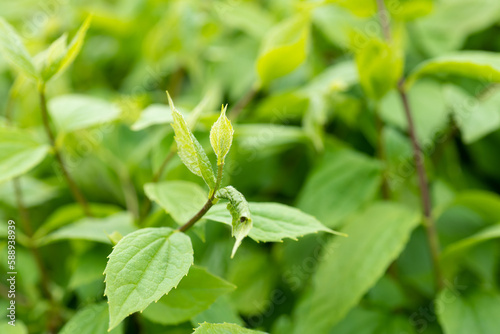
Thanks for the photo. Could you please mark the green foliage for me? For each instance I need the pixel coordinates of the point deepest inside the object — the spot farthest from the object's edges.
(459, 312)
(143, 267)
(76, 112)
(283, 49)
(379, 118)
(221, 136)
(195, 293)
(206, 328)
(15, 51)
(19, 153)
(190, 150)
(379, 233)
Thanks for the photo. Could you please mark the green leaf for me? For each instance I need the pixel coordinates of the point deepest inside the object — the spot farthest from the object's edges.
(376, 237)
(256, 276)
(189, 149)
(459, 248)
(181, 199)
(92, 319)
(380, 66)
(153, 114)
(283, 49)
(143, 267)
(475, 117)
(19, 153)
(372, 321)
(439, 33)
(93, 229)
(221, 136)
(75, 112)
(241, 223)
(430, 112)
(273, 222)
(362, 8)
(207, 328)
(195, 293)
(75, 46)
(35, 191)
(220, 311)
(480, 65)
(14, 50)
(484, 203)
(342, 182)
(49, 61)
(464, 314)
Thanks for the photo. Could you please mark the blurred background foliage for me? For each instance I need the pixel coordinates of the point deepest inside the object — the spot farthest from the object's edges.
(313, 106)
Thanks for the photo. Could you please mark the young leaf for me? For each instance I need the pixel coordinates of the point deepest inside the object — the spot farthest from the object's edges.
(376, 237)
(93, 229)
(379, 66)
(195, 293)
(479, 65)
(14, 50)
(75, 46)
(59, 56)
(181, 199)
(143, 267)
(221, 136)
(273, 222)
(189, 149)
(343, 181)
(49, 60)
(475, 313)
(75, 112)
(283, 49)
(207, 328)
(238, 208)
(92, 319)
(19, 153)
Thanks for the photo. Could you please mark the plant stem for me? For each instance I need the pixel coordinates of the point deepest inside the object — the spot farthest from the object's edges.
(207, 205)
(386, 192)
(242, 103)
(25, 222)
(430, 227)
(77, 194)
(418, 156)
(383, 15)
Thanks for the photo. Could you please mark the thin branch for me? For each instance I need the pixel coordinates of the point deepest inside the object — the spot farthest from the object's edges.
(242, 103)
(430, 227)
(77, 194)
(418, 156)
(384, 17)
(207, 205)
(386, 191)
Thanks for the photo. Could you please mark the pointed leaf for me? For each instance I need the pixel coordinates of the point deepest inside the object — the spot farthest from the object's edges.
(221, 136)
(195, 293)
(75, 112)
(93, 229)
(464, 314)
(15, 51)
(92, 319)
(207, 328)
(353, 265)
(19, 153)
(181, 199)
(143, 267)
(49, 60)
(283, 49)
(481, 65)
(273, 222)
(189, 149)
(75, 46)
(241, 223)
